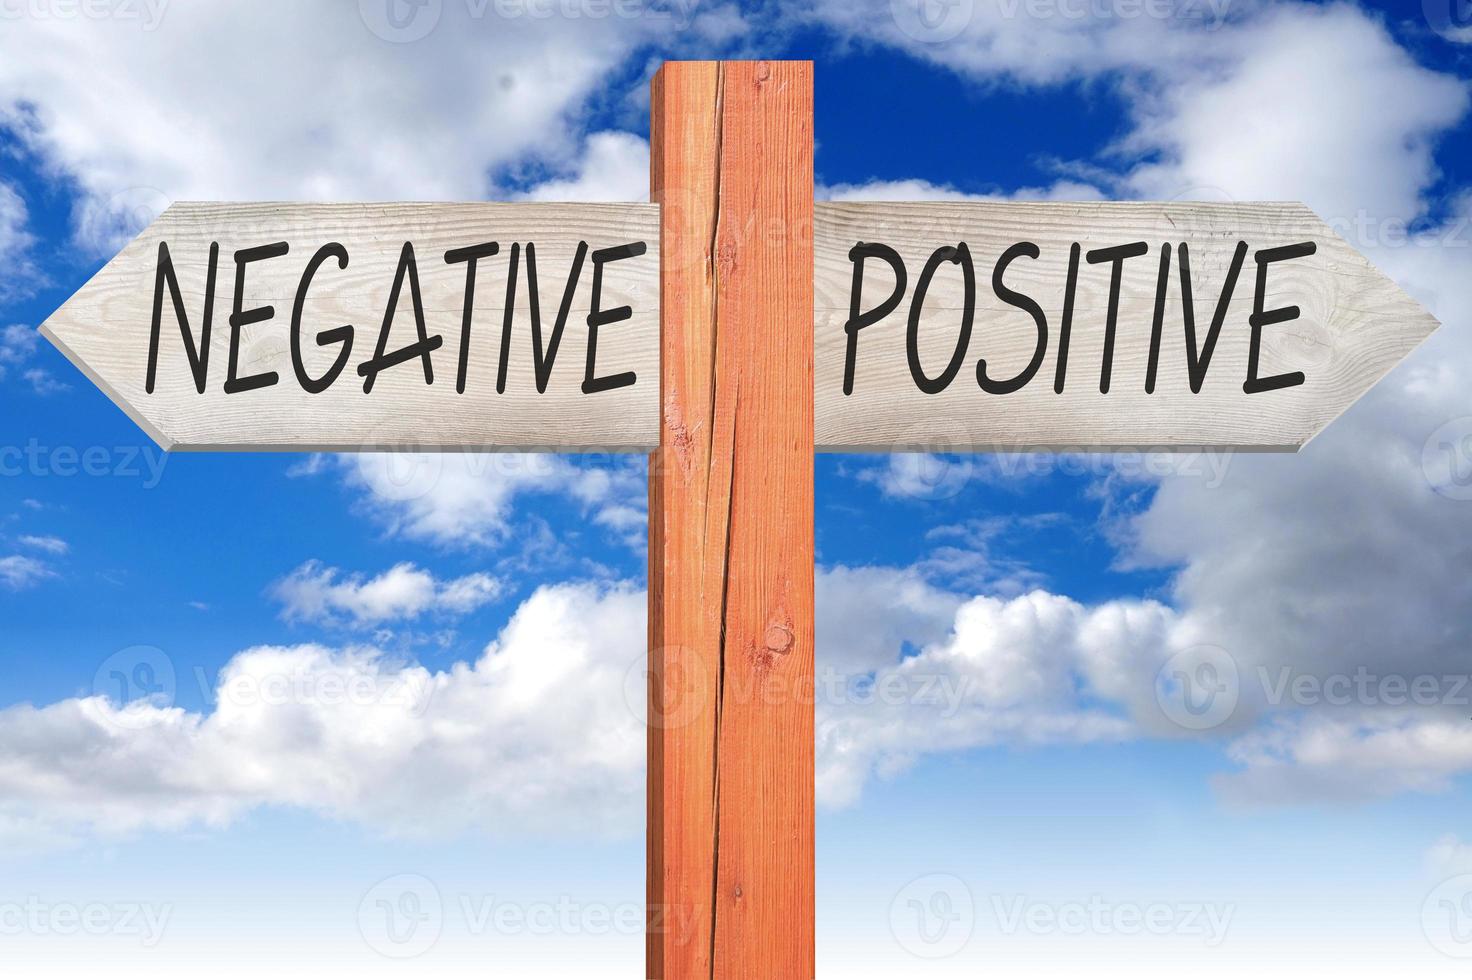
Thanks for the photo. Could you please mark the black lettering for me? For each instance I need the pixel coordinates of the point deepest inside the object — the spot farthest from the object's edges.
(601, 318)
(857, 321)
(1065, 326)
(469, 255)
(240, 317)
(421, 348)
(198, 354)
(1157, 325)
(1022, 302)
(958, 255)
(342, 334)
(1198, 362)
(1266, 318)
(1116, 256)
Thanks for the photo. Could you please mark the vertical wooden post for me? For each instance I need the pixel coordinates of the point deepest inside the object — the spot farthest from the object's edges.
(730, 826)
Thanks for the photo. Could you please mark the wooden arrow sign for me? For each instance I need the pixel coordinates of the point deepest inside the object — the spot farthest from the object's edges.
(982, 326)
(943, 326)
(379, 326)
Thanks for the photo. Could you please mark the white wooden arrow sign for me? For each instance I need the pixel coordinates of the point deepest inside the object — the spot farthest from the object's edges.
(942, 326)
(379, 326)
(1009, 327)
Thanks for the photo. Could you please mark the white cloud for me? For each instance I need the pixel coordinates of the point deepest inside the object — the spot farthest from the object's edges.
(532, 738)
(614, 167)
(21, 272)
(458, 499)
(47, 543)
(322, 107)
(17, 344)
(1345, 556)
(19, 572)
(319, 594)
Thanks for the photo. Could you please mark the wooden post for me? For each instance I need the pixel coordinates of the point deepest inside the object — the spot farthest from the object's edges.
(730, 825)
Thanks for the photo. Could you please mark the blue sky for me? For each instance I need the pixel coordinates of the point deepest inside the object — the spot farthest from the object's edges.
(491, 607)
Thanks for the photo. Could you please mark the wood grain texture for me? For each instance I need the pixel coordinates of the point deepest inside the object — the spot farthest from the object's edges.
(731, 521)
(105, 328)
(1354, 326)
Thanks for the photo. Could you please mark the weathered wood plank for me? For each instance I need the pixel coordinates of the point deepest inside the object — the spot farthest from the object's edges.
(731, 557)
(106, 328)
(1353, 326)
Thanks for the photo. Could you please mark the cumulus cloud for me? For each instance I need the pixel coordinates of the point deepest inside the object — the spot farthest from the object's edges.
(614, 167)
(457, 499)
(340, 106)
(1351, 556)
(533, 737)
(316, 593)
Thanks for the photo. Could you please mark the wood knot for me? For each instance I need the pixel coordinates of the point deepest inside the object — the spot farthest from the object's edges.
(779, 638)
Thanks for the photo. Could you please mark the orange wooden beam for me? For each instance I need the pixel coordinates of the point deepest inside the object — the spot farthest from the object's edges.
(730, 825)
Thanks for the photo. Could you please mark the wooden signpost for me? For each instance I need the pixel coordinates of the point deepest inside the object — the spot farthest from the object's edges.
(782, 327)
